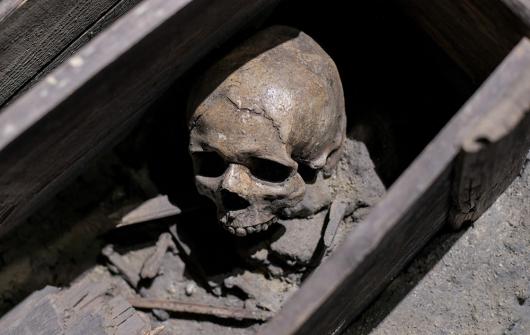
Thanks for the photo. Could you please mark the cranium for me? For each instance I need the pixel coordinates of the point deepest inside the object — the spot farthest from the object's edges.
(260, 119)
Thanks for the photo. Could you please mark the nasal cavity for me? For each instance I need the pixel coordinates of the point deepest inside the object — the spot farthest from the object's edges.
(232, 201)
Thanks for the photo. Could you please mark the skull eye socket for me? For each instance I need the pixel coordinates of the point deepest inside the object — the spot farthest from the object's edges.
(268, 170)
(209, 164)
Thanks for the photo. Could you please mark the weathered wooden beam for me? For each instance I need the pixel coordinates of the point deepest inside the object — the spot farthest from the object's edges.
(417, 205)
(476, 34)
(33, 33)
(33, 70)
(493, 153)
(89, 102)
(84, 308)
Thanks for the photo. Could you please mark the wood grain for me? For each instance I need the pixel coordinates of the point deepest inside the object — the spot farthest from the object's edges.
(89, 102)
(416, 206)
(7, 7)
(32, 33)
(84, 308)
(106, 19)
(493, 153)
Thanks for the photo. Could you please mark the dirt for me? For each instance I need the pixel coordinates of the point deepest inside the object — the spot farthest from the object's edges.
(61, 241)
(75, 239)
(476, 281)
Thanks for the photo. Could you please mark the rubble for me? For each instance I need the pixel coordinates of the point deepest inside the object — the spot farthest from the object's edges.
(267, 293)
(243, 278)
(84, 308)
(186, 274)
(299, 240)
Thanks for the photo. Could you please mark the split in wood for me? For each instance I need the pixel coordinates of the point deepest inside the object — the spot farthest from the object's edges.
(180, 307)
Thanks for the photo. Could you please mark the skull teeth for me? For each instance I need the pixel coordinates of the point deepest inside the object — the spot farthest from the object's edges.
(244, 231)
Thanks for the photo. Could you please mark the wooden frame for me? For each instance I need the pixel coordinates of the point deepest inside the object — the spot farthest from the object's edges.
(88, 103)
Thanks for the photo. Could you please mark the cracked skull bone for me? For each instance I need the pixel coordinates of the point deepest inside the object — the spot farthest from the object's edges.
(265, 114)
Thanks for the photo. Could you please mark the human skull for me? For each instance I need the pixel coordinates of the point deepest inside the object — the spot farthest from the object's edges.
(261, 120)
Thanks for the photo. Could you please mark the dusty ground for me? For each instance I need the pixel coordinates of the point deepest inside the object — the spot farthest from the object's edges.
(476, 281)
(62, 244)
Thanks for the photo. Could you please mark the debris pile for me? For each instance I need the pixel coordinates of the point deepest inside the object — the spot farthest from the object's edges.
(198, 278)
(173, 271)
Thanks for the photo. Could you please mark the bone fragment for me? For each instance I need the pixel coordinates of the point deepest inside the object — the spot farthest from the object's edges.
(336, 214)
(156, 208)
(180, 307)
(152, 264)
(124, 268)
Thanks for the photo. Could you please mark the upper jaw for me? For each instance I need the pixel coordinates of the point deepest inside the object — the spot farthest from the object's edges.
(240, 224)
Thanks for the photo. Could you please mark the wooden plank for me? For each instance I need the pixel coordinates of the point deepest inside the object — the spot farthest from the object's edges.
(416, 206)
(115, 12)
(492, 155)
(32, 33)
(89, 102)
(477, 34)
(84, 308)
(521, 8)
(9, 6)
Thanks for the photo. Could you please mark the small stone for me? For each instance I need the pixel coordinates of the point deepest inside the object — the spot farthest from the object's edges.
(268, 293)
(261, 255)
(217, 291)
(160, 314)
(190, 288)
(300, 240)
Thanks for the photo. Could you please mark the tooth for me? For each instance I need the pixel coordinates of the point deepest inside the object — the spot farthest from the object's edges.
(250, 230)
(264, 226)
(241, 232)
(231, 230)
(257, 228)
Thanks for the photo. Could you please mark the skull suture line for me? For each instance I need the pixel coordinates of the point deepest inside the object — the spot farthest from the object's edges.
(260, 119)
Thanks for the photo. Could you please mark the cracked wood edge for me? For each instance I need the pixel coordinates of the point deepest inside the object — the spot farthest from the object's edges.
(494, 151)
(84, 308)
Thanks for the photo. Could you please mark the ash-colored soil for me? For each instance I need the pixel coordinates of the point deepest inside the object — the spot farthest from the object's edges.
(62, 245)
(475, 281)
